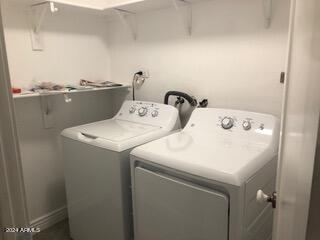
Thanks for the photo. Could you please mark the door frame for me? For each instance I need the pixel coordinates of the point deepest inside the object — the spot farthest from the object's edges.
(12, 191)
(300, 119)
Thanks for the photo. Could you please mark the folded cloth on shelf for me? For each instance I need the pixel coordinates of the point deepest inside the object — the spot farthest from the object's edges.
(99, 84)
(48, 86)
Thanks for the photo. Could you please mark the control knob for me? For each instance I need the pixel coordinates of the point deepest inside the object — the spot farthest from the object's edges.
(132, 110)
(154, 113)
(142, 111)
(227, 123)
(246, 125)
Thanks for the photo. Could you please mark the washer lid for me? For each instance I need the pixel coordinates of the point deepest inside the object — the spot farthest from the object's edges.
(208, 156)
(115, 135)
(114, 130)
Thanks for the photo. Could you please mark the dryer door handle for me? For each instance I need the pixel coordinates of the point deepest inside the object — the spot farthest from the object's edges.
(262, 197)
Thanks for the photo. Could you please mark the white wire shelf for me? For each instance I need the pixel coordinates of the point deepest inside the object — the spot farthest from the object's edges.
(126, 10)
(51, 93)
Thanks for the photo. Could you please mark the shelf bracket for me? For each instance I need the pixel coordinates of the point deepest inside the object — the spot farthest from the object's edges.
(48, 118)
(267, 11)
(129, 20)
(38, 13)
(186, 15)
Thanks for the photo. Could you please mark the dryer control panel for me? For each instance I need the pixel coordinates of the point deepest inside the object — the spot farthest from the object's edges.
(150, 113)
(229, 122)
(234, 125)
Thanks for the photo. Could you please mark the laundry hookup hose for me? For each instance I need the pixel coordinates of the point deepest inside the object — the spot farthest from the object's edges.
(192, 101)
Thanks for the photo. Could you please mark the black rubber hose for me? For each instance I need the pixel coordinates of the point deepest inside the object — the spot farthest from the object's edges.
(191, 100)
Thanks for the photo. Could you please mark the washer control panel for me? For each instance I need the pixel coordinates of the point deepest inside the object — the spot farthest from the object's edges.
(143, 109)
(148, 113)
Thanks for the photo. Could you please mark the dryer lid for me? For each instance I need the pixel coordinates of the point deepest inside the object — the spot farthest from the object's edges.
(209, 157)
(204, 148)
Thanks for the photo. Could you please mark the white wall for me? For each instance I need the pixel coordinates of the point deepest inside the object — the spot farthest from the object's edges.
(231, 59)
(74, 47)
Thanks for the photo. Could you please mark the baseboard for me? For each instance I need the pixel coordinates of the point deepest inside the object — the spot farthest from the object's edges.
(50, 219)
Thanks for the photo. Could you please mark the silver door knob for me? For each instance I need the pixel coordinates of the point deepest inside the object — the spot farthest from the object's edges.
(263, 198)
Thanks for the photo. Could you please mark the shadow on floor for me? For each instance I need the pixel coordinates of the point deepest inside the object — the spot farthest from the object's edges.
(59, 231)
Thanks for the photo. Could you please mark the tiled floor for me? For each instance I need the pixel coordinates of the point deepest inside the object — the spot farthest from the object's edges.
(60, 231)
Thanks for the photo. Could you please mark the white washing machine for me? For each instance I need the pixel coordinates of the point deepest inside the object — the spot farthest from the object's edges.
(97, 169)
(201, 183)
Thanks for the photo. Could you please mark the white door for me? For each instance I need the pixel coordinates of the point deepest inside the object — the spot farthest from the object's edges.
(299, 122)
(12, 197)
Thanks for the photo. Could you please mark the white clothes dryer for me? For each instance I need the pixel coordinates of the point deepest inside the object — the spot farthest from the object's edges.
(201, 183)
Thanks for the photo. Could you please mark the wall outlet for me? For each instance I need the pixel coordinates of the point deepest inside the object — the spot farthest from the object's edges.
(145, 74)
(139, 81)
